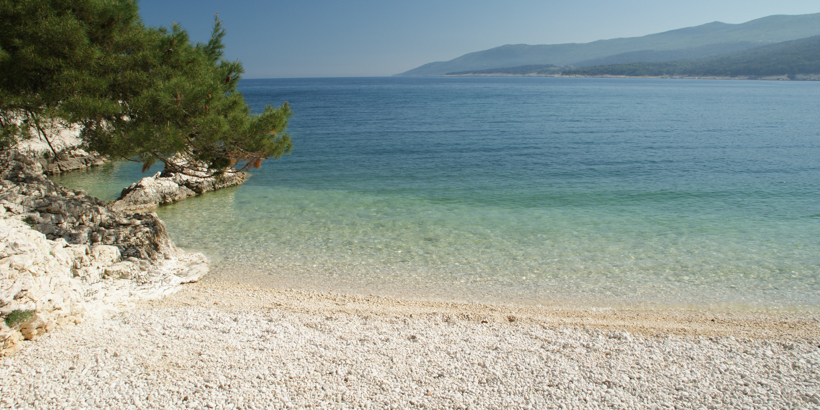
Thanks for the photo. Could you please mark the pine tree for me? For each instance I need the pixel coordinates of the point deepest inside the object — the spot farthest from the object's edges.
(138, 93)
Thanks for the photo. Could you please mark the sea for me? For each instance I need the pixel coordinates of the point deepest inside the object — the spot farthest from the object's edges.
(558, 192)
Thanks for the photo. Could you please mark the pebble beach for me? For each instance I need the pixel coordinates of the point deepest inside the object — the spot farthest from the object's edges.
(228, 345)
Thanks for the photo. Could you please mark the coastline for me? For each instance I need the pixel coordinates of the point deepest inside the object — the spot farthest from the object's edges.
(218, 344)
(323, 278)
(223, 344)
(646, 321)
(665, 77)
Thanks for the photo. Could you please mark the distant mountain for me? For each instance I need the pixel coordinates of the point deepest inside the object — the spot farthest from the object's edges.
(652, 56)
(789, 58)
(687, 43)
(523, 70)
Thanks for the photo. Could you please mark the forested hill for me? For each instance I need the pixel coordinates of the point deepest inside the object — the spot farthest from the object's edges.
(547, 69)
(702, 41)
(787, 58)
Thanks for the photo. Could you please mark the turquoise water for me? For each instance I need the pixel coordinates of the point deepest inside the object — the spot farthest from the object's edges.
(581, 192)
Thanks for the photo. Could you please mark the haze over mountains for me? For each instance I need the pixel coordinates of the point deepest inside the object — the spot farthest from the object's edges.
(795, 59)
(707, 40)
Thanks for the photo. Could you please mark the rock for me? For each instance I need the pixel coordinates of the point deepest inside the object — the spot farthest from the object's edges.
(66, 140)
(167, 187)
(149, 193)
(105, 254)
(33, 328)
(122, 270)
(65, 255)
(9, 341)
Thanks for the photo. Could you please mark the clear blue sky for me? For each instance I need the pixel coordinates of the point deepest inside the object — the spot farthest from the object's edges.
(311, 38)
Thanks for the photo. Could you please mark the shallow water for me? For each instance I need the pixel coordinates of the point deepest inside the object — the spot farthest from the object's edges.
(544, 191)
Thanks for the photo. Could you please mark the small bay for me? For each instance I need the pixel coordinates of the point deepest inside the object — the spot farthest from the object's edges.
(550, 191)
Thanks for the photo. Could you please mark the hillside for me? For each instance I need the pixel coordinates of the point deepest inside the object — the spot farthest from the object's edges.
(652, 56)
(787, 58)
(547, 69)
(702, 41)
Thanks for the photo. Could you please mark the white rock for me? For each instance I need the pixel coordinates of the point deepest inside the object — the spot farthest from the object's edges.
(66, 282)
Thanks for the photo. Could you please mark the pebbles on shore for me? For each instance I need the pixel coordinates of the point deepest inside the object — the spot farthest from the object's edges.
(215, 345)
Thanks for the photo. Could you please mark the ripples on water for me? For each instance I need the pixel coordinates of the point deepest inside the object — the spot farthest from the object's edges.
(526, 190)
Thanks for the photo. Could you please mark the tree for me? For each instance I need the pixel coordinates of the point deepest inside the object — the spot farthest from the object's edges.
(44, 49)
(138, 93)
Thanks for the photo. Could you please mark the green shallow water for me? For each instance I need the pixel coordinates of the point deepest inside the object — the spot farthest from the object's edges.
(585, 203)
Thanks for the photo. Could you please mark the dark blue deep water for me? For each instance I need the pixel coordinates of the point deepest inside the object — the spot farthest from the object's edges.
(547, 191)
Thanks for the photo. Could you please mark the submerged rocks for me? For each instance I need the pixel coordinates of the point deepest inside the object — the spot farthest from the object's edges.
(64, 254)
(168, 186)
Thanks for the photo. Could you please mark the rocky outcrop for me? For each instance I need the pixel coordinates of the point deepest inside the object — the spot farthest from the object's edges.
(66, 141)
(65, 255)
(163, 188)
(75, 159)
(167, 187)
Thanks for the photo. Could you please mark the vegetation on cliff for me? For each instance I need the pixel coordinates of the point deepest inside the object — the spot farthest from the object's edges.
(136, 92)
(542, 69)
(789, 58)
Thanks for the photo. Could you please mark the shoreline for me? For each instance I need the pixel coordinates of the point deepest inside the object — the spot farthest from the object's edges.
(647, 321)
(317, 280)
(231, 346)
(663, 77)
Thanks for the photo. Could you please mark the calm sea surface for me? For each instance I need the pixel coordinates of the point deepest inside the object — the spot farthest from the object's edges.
(580, 192)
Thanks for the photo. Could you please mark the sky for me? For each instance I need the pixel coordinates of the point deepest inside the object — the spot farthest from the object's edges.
(371, 38)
